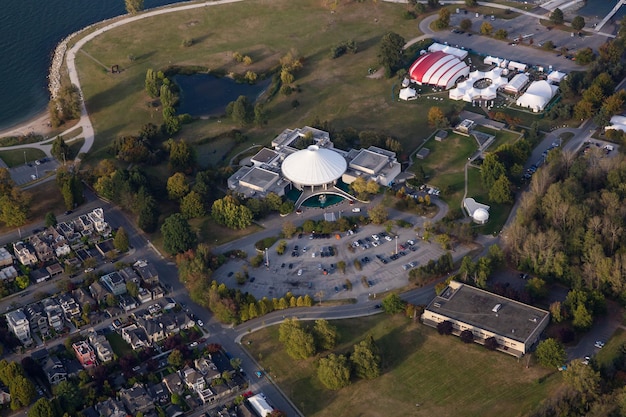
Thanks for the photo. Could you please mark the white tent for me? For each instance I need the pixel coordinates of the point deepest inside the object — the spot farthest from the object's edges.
(466, 90)
(517, 83)
(518, 66)
(491, 60)
(617, 123)
(408, 94)
(459, 53)
(556, 76)
(537, 96)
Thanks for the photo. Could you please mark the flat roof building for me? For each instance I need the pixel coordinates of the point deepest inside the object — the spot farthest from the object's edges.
(516, 326)
(372, 163)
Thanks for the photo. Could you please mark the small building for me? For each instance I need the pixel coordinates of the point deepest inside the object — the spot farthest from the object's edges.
(516, 326)
(135, 336)
(25, 254)
(114, 283)
(54, 269)
(422, 153)
(101, 346)
(111, 408)
(407, 94)
(374, 164)
(106, 247)
(441, 135)
(19, 325)
(144, 296)
(85, 354)
(618, 122)
(465, 127)
(136, 399)
(477, 211)
(260, 405)
(54, 313)
(54, 370)
(517, 84)
(40, 275)
(147, 272)
(6, 259)
(127, 302)
(98, 292)
(70, 307)
(174, 383)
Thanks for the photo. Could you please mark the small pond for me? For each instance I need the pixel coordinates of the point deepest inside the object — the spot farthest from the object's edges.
(208, 95)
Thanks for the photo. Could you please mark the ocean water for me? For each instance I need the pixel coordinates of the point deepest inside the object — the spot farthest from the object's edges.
(29, 32)
(599, 9)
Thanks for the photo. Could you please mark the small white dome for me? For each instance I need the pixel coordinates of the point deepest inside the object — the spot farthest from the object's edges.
(481, 215)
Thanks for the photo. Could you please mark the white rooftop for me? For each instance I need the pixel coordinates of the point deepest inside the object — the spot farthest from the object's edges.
(314, 166)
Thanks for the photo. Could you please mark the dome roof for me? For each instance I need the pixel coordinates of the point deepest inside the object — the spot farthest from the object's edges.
(438, 68)
(314, 166)
(481, 215)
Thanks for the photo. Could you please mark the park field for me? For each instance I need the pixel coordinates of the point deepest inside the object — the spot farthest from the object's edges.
(424, 374)
(335, 90)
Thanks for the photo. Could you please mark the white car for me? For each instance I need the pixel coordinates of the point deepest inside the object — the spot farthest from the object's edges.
(375, 237)
(388, 238)
(599, 344)
(33, 177)
(200, 323)
(299, 272)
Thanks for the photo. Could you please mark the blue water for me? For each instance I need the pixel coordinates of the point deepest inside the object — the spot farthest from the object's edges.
(600, 8)
(208, 95)
(29, 32)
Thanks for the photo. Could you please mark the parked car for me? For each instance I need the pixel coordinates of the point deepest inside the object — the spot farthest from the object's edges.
(259, 374)
(200, 323)
(599, 344)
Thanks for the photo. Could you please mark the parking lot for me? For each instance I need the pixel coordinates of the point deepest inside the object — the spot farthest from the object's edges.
(312, 264)
(32, 171)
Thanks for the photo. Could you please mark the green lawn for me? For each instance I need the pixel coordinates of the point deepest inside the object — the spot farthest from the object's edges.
(119, 346)
(440, 373)
(337, 90)
(612, 350)
(15, 157)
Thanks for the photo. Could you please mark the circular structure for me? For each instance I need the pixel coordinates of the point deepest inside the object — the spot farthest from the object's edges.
(314, 166)
(480, 216)
(438, 69)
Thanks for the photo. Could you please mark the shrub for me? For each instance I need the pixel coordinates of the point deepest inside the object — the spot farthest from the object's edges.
(444, 327)
(491, 343)
(467, 336)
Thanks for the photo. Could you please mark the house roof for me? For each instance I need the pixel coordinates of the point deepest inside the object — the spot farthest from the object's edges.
(314, 166)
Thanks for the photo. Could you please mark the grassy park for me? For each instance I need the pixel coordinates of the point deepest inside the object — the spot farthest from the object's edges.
(440, 373)
(337, 90)
(16, 157)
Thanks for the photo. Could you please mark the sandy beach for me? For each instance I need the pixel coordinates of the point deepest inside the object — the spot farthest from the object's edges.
(39, 124)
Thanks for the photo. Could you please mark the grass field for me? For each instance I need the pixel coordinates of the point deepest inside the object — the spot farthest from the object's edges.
(440, 373)
(46, 197)
(337, 90)
(16, 157)
(119, 346)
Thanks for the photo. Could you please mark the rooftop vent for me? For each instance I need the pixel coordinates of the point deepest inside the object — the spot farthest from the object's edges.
(437, 305)
(496, 308)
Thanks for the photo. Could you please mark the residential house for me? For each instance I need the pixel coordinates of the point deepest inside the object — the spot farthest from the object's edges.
(6, 259)
(85, 354)
(102, 347)
(25, 254)
(207, 368)
(19, 326)
(157, 292)
(54, 370)
(153, 328)
(83, 298)
(70, 307)
(160, 393)
(175, 322)
(144, 295)
(173, 410)
(84, 225)
(127, 302)
(8, 273)
(54, 269)
(5, 396)
(129, 275)
(136, 399)
(40, 275)
(106, 248)
(54, 314)
(174, 383)
(147, 272)
(42, 249)
(114, 283)
(98, 292)
(135, 336)
(196, 382)
(58, 242)
(37, 318)
(111, 408)
(96, 216)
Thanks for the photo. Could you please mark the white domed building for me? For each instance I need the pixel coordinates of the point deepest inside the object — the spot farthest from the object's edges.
(313, 167)
(478, 212)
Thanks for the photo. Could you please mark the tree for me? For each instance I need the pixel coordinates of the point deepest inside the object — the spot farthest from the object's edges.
(585, 56)
(192, 206)
(325, 335)
(22, 392)
(41, 408)
(467, 336)
(557, 17)
(444, 18)
(14, 208)
(60, 150)
(182, 156)
(132, 288)
(175, 359)
(393, 304)
(501, 34)
(551, 353)
(391, 53)
(177, 186)
(491, 170)
(378, 214)
(334, 371)
(242, 111)
(289, 229)
(436, 118)
(134, 6)
(120, 242)
(582, 378)
(366, 359)
(444, 327)
(50, 219)
(582, 318)
(69, 395)
(298, 343)
(500, 192)
(578, 22)
(486, 29)
(229, 212)
(491, 343)
(466, 24)
(177, 234)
